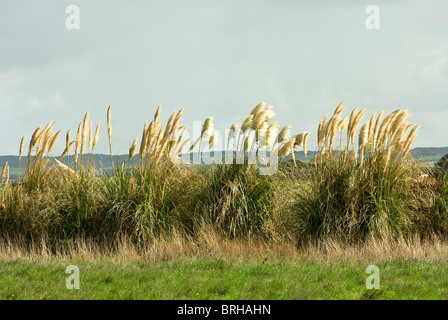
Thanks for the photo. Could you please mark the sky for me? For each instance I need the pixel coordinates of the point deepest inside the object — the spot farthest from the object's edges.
(218, 58)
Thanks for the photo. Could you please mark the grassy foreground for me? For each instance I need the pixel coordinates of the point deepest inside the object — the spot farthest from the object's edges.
(216, 278)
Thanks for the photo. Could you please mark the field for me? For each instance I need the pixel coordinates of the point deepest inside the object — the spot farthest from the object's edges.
(252, 227)
(222, 279)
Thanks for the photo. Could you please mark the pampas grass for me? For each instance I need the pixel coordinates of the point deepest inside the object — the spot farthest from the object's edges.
(362, 189)
(362, 184)
(109, 134)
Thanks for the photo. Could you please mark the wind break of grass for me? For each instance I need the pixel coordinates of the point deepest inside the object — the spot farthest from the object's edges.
(381, 194)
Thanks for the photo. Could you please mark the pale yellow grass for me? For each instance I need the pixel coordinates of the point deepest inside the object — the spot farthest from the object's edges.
(210, 245)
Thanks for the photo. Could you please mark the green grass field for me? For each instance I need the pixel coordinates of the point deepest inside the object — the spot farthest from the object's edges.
(211, 278)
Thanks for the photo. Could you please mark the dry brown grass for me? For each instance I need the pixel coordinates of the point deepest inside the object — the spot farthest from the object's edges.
(209, 244)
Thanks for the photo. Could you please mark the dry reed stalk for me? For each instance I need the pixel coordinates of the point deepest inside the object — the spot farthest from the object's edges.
(85, 129)
(305, 139)
(386, 162)
(21, 147)
(132, 149)
(34, 137)
(371, 131)
(157, 114)
(77, 141)
(161, 149)
(4, 171)
(399, 135)
(155, 147)
(181, 136)
(385, 128)
(182, 146)
(20, 152)
(410, 139)
(109, 133)
(96, 136)
(333, 129)
(43, 132)
(355, 124)
(168, 127)
(351, 119)
(149, 136)
(67, 139)
(152, 148)
(63, 166)
(45, 142)
(320, 132)
(177, 119)
(339, 109)
(398, 121)
(66, 150)
(144, 142)
(363, 138)
(173, 138)
(53, 140)
(90, 137)
(377, 123)
(195, 144)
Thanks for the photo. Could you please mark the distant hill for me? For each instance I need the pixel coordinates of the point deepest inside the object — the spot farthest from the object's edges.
(429, 152)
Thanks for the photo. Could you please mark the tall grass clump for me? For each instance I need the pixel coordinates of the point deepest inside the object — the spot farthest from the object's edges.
(236, 199)
(153, 197)
(365, 187)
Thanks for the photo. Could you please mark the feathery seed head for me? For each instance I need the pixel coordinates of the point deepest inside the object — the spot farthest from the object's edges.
(284, 133)
(246, 123)
(21, 147)
(363, 135)
(53, 140)
(132, 148)
(208, 125)
(95, 138)
(212, 142)
(305, 139)
(109, 122)
(258, 108)
(287, 148)
(233, 129)
(258, 120)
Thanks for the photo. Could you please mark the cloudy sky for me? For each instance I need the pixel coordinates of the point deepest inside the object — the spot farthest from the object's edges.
(219, 58)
